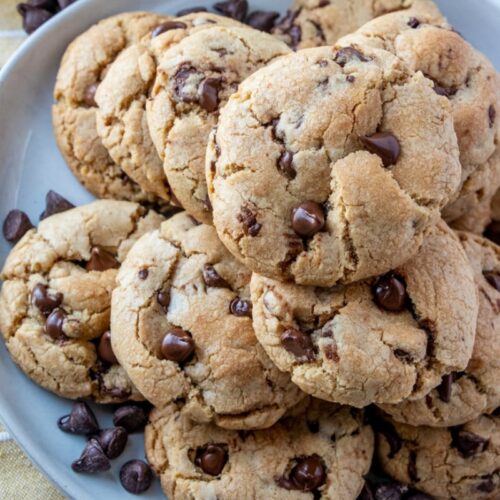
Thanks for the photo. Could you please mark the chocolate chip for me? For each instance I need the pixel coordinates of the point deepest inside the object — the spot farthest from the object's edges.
(89, 95)
(81, 420)
(493, 279)
(492, 232)
(307, 475)
(295, 34)
(385, 145)
(392, 491)
(184, 73)
(444, 389)
(249, 220)
(33, 17)
(350, 78)
(143, 274)
(208, 94)
(299, 344)
(388, 430)
(163, 299)
(412, 467)
(468, 443)
(177, 345)
(113, 441)
(211, 458)
(191, 10)
(168, 26)
(104, 349)
(235, 9)
(444, 91)
(16, 225)
(262, 20)
(313, 426)
(92, 459)
(55, 204)
(492, 114)
(136, 476)
(390, 293)
(240, 307)
(308, 219)
(132, 417)
(413, 22)
(101, 260)
(285, 165)
(487, 485)
(45, 301)
(347, 54)
(55, 323)
(50, 5)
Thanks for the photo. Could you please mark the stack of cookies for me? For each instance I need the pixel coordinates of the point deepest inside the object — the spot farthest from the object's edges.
(287, 260)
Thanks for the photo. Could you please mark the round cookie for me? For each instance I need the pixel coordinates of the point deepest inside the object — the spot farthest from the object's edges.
(377, 341)
(323, 452)
(83, 66)
(182, 329)
(56, 298)
(469, 81)
(463, 396)
(122, 96)
(315, 173)
(314, 23)
(195, 78)
(458, 462)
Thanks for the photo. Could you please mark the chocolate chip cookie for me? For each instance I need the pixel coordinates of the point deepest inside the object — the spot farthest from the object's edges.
(83, 67)
(314, 23)
(56, 298)
(456, 462)
(377, 341)
(469, 81)
(195, 77)
(463, 396)
(182, 328)
(321, 453)
(316, 174)
(122, 96)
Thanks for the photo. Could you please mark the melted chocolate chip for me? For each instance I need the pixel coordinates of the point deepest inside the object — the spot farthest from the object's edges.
(101, 260)
(211, 458)
(212, 278)
(299, 344)
(413, 22)
(308, 219)
(55, 323)
(285, 165)
(92, 459)
(385, 145)
(136, 476)
(113, 441)
(262, 20)
(487, 485)
(468, 443)
(104, 349)
(45, 301)
(16, 225)
(132, 418)
(235, 9)
(143, 274)
(241, 308)
(81, 420)
(249, 221)
(163, 299)
(177, 345)
(492, 114)
(445, 388)
(307, 475)
(390, 294)
(493, 279)
(208, 94)
(55, 204)
(89, 95)
(347, 54)
(168, 26)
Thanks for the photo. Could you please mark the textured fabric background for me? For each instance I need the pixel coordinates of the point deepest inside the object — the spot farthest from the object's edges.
(19, 479)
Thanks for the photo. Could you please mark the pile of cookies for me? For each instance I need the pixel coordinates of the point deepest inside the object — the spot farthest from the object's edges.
(290, 258)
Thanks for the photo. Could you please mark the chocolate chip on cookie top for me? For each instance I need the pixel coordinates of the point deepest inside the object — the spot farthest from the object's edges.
(185, 332)
(323, 450)
(56, 298)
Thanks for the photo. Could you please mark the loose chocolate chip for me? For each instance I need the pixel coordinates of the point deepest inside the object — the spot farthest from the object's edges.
(55, 204)
(307, 475)
(285, 165)
(168, 26)
(50, 5)
(45, 301)
(393, 491)
(89, 95)
(444, 389)
(55, 323)
(104, 349)
(177, 345)
(235, 9)
(81, 420)
(241, 308)
(92, 459)
(468, 443)
(487, 485)
(113, 441)
(493, 279)
(347, 54)
(492, 114)
(33, 17)
(208, 94)
(143, 274)
(390, 293)
(492, 232)
(262, 20)
(308, 219)
(212, 278)
(163, 299)
(132, 417)
(385, 145)
(413, 22)
(191, 10)
(16, 225)
(101, 260)
(136, 476)
(211, 459)
(299, 344)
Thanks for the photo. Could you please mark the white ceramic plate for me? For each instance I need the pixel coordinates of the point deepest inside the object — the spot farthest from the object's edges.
(30, 165)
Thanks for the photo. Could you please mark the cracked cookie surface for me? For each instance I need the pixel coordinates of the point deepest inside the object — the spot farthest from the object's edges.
(296, 194)
(458, 462)
(182, 328)
(56, 298)
(83, 67)
(376, 341)
(322, 452)
(195, 78)
(463, 396)
(122, 96)
(314, 23)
